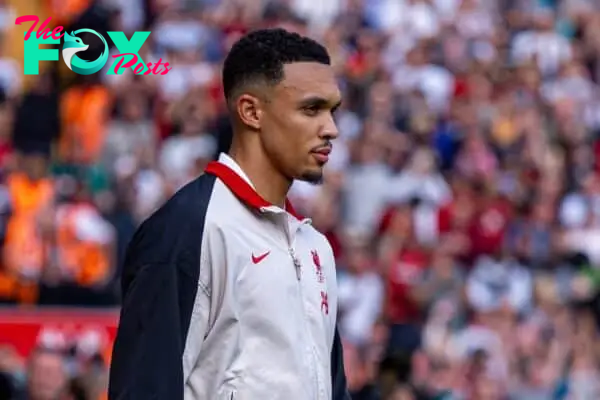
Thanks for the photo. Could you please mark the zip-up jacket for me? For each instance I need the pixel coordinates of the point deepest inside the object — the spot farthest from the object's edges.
(226, 296)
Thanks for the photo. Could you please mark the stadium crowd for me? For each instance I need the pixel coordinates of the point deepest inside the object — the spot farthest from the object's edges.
(462, 200)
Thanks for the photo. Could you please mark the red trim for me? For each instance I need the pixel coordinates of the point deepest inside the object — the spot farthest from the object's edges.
(242, 189)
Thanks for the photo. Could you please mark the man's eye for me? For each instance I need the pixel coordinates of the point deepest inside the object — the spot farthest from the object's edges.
(312, 110)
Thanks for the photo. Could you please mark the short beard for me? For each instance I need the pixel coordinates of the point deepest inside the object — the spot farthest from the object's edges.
(315, 178)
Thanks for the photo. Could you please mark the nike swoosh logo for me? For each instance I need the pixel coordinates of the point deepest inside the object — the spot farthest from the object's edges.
(258, 259)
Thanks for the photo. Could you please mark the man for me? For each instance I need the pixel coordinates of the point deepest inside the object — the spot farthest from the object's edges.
(47, 377)
(228, 293)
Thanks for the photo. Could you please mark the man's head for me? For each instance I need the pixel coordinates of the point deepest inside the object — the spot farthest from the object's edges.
(47, 375)
(281, 92)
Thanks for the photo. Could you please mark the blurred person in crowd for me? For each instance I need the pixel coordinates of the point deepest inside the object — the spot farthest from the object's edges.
(406, 261)
(37, 122)
(275, 82)
(181, 152)
(11, 372)
(536, 43)
(80, 248)
(47, 377)
(488, 227)
(31, 194)
(497, 281)
(396, 370)
(11, 81)
(360, 376)
(363, 68)
(327, 216)
(367, 174)
(84, 116)
(442, 282)
(131, 133)
(530, 236)
(360, 290)
(419, 179)
(92, 380)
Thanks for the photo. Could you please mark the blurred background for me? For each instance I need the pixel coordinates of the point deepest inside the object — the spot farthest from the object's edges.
(462, 199)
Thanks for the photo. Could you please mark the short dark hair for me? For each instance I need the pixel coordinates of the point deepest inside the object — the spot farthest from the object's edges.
(261, 55)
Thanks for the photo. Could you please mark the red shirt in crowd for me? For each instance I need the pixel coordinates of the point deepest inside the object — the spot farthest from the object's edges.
(404, 274)
(489, 227)
(484, 224)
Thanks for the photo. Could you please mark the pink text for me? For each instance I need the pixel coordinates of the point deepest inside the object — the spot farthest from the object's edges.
(140, 67)
(43, 30)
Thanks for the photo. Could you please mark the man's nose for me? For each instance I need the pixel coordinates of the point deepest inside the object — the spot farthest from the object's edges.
(330, 130)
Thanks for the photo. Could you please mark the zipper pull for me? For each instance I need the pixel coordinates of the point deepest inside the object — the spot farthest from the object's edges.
(297, 264)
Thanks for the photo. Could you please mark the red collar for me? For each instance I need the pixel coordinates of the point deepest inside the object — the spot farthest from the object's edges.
(242, 189)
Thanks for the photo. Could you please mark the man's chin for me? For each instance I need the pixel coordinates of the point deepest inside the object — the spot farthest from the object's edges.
(314, 177)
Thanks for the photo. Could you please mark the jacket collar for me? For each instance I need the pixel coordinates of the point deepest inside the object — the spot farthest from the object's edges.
(232, 175)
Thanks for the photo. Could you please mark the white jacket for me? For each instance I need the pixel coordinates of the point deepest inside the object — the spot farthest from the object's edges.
(260, 323)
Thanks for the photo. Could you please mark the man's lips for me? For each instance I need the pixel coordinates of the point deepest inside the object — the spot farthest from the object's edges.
(322, 154)
(323, 150)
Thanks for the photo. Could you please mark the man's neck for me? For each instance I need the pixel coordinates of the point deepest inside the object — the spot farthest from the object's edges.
(268, 182)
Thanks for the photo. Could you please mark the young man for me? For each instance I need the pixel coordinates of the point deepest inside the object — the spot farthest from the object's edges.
(228, 293)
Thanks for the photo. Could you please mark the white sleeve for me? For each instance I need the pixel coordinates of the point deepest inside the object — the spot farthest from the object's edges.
(208, 297)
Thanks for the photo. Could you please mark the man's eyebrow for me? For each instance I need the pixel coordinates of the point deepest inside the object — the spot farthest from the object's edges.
(318, 101)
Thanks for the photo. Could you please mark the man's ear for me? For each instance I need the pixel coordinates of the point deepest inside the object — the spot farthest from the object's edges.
(249, 110)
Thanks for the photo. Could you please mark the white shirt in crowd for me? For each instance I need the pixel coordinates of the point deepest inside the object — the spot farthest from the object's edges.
(360, 299)
(549, 49)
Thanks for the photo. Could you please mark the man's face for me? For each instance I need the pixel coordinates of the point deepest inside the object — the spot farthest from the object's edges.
(297, 124)
(47, 376)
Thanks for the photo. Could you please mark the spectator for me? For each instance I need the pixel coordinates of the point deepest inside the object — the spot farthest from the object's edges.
(47, 377)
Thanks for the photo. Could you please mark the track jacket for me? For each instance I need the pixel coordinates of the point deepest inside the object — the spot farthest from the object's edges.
(226, 296)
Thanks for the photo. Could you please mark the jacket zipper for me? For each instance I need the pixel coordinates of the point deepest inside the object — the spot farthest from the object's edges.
(297, 264)
(313, 359)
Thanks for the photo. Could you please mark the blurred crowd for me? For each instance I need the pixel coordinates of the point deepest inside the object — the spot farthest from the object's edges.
(462, 199)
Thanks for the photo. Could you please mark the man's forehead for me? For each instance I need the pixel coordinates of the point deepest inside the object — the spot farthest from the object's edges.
(310, 79)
